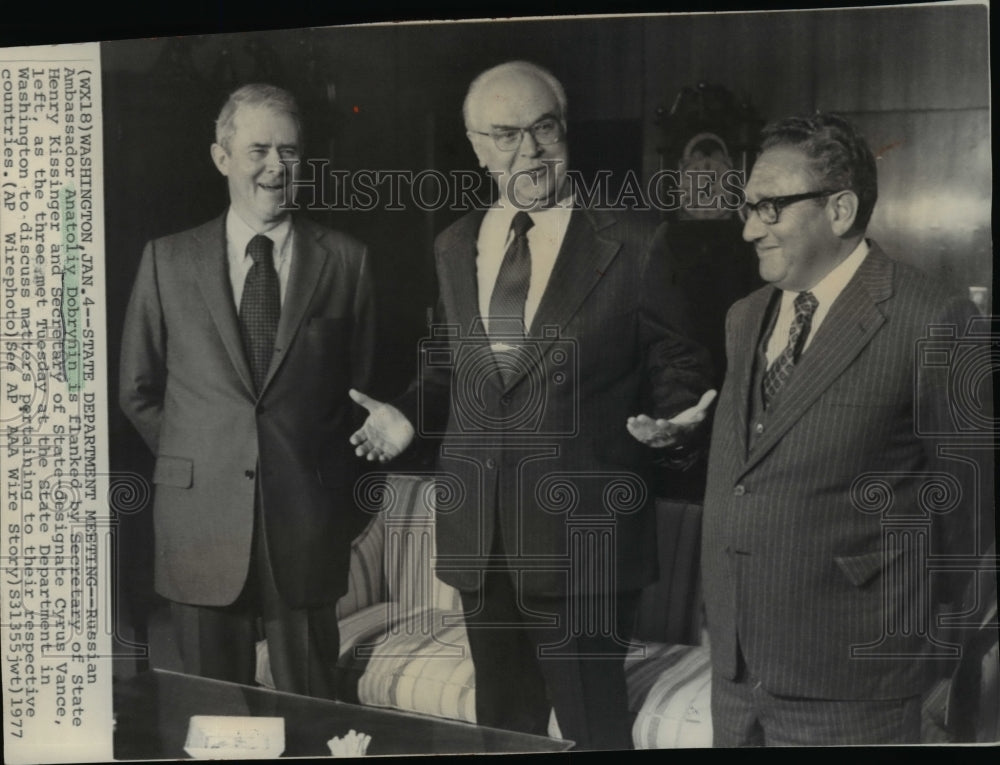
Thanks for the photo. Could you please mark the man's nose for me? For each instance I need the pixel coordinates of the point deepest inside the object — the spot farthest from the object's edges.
(273, 161)
(529, 146)
(753, 227)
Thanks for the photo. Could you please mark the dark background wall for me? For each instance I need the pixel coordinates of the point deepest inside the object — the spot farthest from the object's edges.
(389, 97)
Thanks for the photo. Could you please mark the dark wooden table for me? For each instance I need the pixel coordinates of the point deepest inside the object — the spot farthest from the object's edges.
(152, 711)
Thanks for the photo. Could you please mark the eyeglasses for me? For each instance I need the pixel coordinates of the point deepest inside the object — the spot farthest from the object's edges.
(545, 131)
(769, 209)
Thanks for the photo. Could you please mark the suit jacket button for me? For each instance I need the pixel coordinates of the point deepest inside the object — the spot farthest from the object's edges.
(758, 428)
(491, 463)
(740, 490)
(249, 473)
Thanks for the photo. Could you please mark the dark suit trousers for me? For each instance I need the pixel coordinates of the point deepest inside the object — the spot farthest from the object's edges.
(220, 642)
(532, 654)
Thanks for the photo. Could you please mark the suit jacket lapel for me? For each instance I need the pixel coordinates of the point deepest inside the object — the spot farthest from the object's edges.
(459, 277)
(580, 263)
(745, 344)
(308, 260)
(853, 321)
(582, 260)
(210, 262)
(459, 283)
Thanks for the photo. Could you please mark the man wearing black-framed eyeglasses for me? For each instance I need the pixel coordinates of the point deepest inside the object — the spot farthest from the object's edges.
(806, 604)
(769, 209)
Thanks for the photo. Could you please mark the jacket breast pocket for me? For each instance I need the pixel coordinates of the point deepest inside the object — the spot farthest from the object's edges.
(173, 471)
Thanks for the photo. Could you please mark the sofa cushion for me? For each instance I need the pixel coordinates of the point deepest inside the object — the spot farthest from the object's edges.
(365, 580)
(419, 663)
(676, 712)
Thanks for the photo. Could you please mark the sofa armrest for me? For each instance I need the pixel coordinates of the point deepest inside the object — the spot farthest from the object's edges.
(392, 560)
(366, 583)
(410, 545)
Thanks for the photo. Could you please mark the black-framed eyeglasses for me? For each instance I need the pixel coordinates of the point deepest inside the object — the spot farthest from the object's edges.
(545, 132)
(769, 209)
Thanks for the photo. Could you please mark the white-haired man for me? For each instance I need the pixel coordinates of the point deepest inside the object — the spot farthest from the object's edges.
(558, 325)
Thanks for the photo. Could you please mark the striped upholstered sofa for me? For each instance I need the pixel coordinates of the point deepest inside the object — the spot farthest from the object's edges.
(403, 642)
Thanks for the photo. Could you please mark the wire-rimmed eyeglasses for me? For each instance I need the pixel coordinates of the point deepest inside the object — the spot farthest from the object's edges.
(545, 131)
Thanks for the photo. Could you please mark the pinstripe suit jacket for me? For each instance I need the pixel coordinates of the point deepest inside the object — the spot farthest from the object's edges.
(795, 569)
(547, 451)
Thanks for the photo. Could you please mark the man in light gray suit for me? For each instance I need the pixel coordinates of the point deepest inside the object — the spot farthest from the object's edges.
(241, 341)
(810, 605)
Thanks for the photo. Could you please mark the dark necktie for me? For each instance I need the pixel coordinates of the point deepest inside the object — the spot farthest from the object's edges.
(260, 308)
(511, 288)
(506, 320)
(781, 369)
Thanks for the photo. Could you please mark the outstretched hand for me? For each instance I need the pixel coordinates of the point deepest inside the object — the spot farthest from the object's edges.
(660, 433)
(385, 434)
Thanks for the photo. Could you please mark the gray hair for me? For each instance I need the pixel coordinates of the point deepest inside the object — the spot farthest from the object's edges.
(838, 152)
(255, 94)
(515, 67)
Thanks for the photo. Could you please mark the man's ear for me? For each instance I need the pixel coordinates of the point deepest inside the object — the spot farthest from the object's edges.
(221, 158)
(474, 140)
(843, 209)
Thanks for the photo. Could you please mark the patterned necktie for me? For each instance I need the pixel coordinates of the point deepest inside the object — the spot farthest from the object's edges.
(506, 320)
(260, 308)
(781, 369)
(511, 288)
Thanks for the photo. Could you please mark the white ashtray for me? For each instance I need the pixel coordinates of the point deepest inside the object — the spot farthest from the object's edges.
(212, 737)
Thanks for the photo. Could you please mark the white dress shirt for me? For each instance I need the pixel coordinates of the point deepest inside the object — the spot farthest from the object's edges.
(545, 238)
(238, 236)
(825, 292)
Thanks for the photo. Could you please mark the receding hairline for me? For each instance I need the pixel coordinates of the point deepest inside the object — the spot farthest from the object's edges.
(256, 95)
(512, 70)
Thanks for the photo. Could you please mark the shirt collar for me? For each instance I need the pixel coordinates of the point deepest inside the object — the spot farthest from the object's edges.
(239, 233)
(544, 218)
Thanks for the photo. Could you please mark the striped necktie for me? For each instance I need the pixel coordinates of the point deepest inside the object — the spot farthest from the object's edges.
(779, 372)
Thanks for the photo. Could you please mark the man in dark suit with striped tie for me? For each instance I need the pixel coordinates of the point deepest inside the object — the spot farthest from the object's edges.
(241, 340)
(818, 619)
